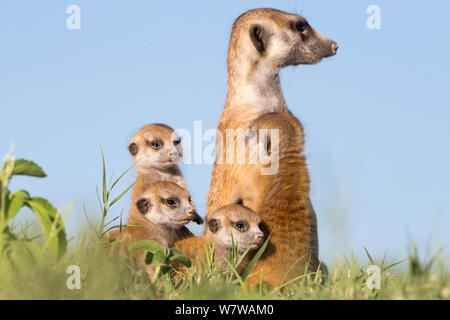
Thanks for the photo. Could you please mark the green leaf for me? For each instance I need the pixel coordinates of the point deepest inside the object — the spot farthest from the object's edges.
(120, 177)
(255, 259)
(180, 259)
(28, 168)
(160, 259)
(121, 195)
(104, 187)
(370, 258)
(149, 245)
(175, 252)
(15, 202)
(394, 264)
(52, 225)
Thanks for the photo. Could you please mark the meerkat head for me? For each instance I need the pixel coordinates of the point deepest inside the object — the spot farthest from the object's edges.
(279, 39)
(275, 133)
(235, 223)
(166, 203)
(156, 146)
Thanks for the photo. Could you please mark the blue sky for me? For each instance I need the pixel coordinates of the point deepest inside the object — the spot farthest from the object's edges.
(376, 115)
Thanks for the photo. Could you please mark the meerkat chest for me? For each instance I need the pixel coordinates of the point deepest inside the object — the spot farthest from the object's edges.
(262, 99)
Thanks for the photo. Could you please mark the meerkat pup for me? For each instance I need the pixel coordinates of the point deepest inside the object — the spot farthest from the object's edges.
(281, 199)
(232, 223)
(158, 214)
(156, 149)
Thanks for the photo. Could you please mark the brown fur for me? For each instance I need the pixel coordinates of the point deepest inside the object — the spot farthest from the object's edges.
(254, 90)
(196, 247)
(152, 172)
(282, 201)
(149, 173)
(140, 228)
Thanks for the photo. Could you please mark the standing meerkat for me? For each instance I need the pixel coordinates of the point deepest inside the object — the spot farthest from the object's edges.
(230, 223)
(158, 214)
(263, 41)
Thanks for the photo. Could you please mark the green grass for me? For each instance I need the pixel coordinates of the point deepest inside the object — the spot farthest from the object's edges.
(107, 276)
(37, 267)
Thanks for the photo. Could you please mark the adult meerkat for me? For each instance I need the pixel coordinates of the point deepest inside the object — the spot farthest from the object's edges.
(263, 41)
(158, 214)
(230, 223)
(281, 199)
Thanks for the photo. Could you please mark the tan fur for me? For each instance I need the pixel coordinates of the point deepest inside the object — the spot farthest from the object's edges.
(254, 90)
(151, 170)
(282, 201)
(165, 168)
(196, 247)
(145, 225)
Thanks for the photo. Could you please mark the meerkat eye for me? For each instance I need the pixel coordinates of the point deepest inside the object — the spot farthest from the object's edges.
(300, 26)
(155, 144)
(240, 226)
(176, 142)
(190, 200)
(171, 202)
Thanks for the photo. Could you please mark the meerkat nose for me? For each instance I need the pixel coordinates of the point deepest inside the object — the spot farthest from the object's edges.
(334, 47)
(259, 237)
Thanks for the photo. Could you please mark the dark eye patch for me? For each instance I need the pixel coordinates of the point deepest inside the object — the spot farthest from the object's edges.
(242, 226)
(171, 202)
(155, 144)
(300, 26)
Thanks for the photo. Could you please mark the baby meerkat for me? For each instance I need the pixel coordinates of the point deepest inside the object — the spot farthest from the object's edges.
(156, 149)
(233, 222)
(159, 214)
(281, 199)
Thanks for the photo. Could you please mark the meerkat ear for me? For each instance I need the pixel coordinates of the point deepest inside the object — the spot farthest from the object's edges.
(133, 148)
(197, 219)
(259, 37)
(143, 205)
(213, 225)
